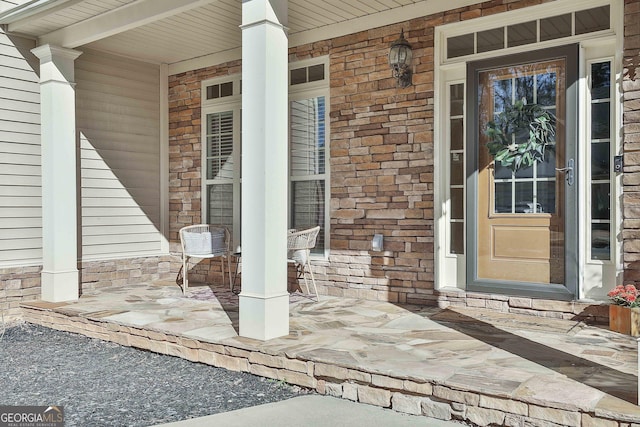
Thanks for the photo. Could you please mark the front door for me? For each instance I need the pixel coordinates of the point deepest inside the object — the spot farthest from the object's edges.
(524, 176)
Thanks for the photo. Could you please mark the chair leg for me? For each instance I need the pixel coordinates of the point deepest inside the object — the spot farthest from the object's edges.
(313, 280)
(185, 269)
(304, 276)
(222, 269)
(229, 270)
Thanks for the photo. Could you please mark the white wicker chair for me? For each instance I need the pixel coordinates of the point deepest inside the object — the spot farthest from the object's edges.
(204, 241)
(299, 245)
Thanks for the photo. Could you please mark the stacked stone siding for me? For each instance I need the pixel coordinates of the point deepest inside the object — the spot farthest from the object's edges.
(127, 272)
(482, 404)
(17, 284)
(185, 200)
(631, 141)
(21, 284)
(382, 165)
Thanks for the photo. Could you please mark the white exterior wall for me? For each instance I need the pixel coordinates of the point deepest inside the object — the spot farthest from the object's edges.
(118, 119)
(20, 173)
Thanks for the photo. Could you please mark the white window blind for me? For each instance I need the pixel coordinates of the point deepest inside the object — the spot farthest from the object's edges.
(220, 169)
(307, 165)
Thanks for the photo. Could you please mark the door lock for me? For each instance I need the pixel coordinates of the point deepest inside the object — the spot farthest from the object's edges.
(568, 171)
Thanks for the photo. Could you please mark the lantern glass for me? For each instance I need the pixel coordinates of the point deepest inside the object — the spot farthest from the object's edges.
(400, 56)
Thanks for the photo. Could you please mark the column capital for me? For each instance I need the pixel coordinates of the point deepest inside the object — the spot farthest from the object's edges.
(258, 11)
(56, 63)
(47, 53)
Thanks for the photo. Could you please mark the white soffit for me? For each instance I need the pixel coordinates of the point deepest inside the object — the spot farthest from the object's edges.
(194, 33)
(311, 21)
(62, 14)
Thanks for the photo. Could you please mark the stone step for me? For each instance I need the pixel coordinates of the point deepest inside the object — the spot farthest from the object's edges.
(445, 400)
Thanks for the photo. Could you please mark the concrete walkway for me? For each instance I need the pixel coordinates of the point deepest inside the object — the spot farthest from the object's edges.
(313, 411)
(464, 364)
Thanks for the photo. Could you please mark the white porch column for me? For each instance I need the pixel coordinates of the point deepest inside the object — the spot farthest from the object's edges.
(264, 301)
(59, 193)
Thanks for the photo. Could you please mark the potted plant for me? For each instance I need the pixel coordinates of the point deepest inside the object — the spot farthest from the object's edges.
(624, 313)
(520, 134)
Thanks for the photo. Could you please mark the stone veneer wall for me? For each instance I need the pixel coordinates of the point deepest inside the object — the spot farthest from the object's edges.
(19, 284)
(130, 271)
(483, 405)
(381, 156)
(631, 141)
(185, 154)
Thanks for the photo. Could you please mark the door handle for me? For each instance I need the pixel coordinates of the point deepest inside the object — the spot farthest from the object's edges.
(568, 171)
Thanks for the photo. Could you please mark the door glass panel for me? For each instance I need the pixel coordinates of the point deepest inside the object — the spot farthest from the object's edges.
(525, 172)
(520, 235)
(457, 136)
(524, 89)
(546, 197)
(502, 172)
(457, 238)
(502, 95)
(503, 197)
(457, 100)
(546, 89)
(600, 201)
(600, 80)
(525, 201)
(457, 203)
(600, 163)
(526, 183)
(547, 169)
(600, 122)
(457, 169)
(600, 241)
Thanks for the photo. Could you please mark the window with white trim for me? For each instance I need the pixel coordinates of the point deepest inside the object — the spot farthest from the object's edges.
(221, 155)
(544, 29)
(599, 113)
(455, 127)
(308, 154)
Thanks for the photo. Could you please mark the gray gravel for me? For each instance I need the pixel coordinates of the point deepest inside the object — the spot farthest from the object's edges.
(104, 384)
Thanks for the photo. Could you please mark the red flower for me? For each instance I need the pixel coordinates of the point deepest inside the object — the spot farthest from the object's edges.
(625, 295)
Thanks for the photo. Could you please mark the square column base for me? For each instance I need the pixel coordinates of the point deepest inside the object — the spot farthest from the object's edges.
(264, 318)
(60, 286)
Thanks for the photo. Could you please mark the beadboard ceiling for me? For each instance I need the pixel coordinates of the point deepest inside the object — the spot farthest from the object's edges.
(164, 31)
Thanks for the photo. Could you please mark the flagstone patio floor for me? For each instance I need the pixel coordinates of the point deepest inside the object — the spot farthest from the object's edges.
(473, 365)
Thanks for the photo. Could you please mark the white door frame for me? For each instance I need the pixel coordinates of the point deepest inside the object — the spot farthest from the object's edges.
(595, 277)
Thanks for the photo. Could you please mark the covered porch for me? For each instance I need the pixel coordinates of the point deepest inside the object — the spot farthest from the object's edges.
(472, 364)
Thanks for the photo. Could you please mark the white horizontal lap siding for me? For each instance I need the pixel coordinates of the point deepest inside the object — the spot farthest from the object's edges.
(118, 118)
(20, 171)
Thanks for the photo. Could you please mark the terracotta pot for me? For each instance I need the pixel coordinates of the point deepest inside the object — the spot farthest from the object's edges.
(625, 320)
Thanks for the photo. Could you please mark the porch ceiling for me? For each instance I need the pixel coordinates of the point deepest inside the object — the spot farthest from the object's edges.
(171, 31)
